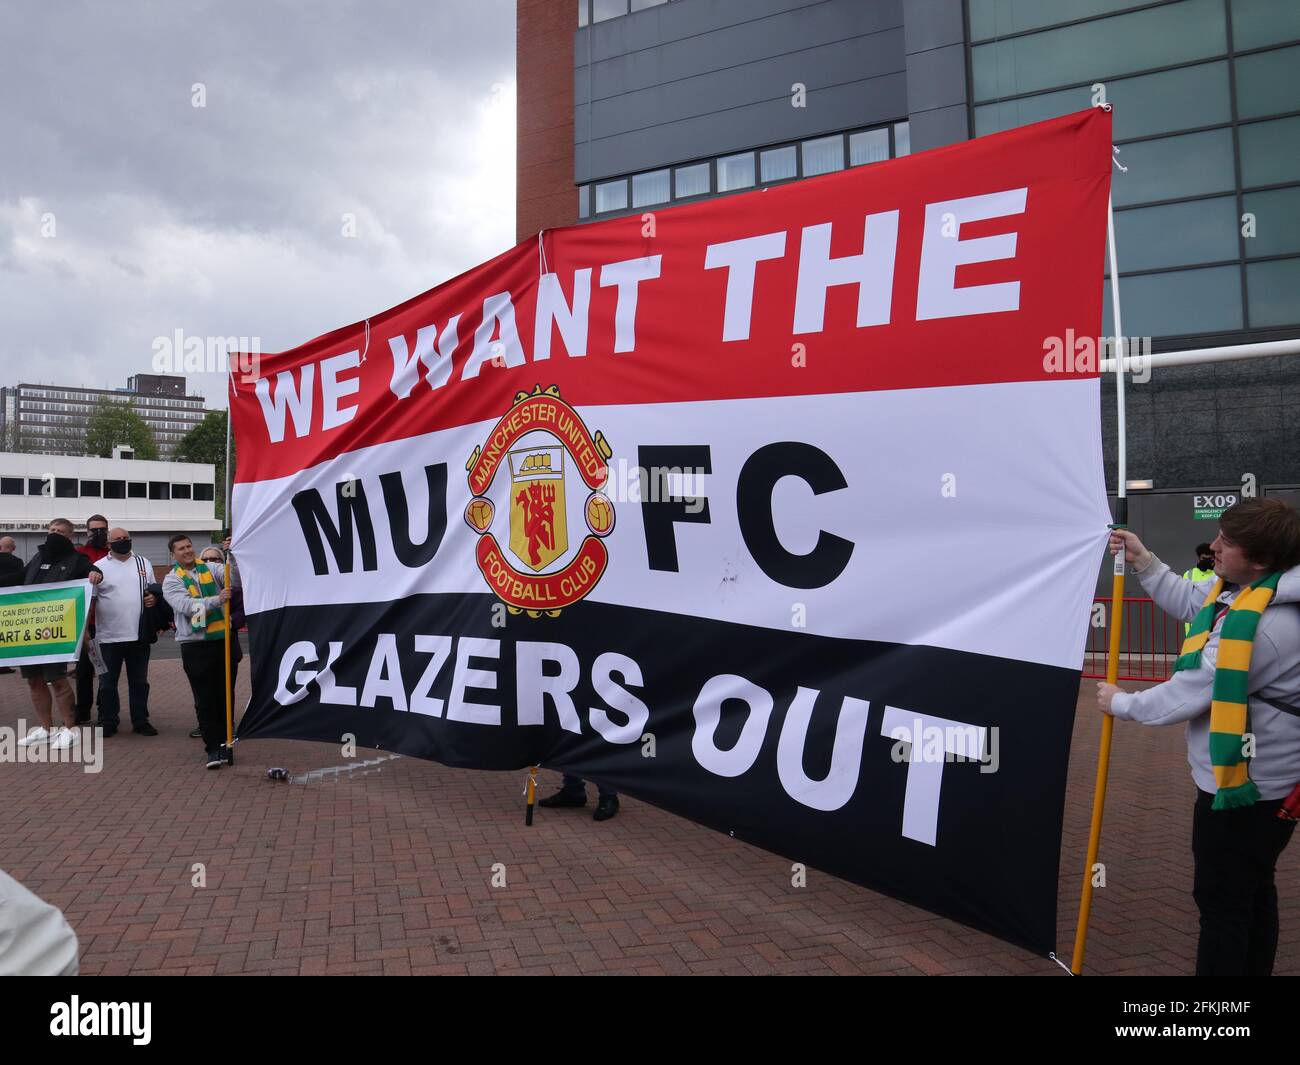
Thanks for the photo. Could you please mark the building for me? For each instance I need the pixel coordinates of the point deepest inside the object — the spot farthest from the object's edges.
(52, 419)
(629, 105)
(152, 500)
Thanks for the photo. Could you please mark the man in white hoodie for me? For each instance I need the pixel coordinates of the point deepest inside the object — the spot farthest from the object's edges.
(1236, 833)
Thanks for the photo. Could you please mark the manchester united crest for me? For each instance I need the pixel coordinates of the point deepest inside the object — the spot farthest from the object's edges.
(538, 463)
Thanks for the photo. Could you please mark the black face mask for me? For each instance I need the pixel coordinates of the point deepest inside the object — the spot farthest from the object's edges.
(1205, 564)
(57, 545)
(121, 547)
(97, 537)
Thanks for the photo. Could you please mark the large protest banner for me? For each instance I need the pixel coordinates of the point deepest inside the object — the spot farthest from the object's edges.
(43, 623)
(781, 511)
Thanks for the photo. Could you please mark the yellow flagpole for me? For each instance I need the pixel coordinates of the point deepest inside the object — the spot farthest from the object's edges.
(230, 695)
(531, 793)
(1116, 607)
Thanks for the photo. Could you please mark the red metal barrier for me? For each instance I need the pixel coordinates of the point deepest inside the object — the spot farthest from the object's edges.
(1149, 641)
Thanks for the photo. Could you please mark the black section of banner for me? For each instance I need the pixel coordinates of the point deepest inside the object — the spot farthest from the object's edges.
(994, 861)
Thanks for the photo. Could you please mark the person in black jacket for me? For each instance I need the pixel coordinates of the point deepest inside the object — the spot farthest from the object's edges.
(11, 571)
(11, 566)
(55, 560)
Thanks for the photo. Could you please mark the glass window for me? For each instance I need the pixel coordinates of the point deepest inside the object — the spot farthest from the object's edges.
(1172, 167)
(582, 12)
(1151, 103)
(114, 489)
(1277, 221)
(1177, 234)
(1274, 292)
(650, 188)
(11, 486)
(611, 196)
(997, 18)
(691, 180)
(607, 9)
(203, 492)
(90, 488)
(584, 201)
(736, 172)
(1178, 303)
(777, 164)
(1259, 22)
(137, 490)
(36, 487)
(65, 488)
(1268, 83)
(180, 491)
(159, 490)
(902, 139)
(869, 146)
(641, 5)
(823, 155)
(1156, 37)
(1270, 152)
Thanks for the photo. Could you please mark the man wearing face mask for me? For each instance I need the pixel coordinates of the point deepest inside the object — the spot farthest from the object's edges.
(1202, 571)
(95, 548)
(55, 560)
(121, 599)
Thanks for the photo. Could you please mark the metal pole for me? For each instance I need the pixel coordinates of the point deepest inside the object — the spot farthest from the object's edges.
(1116, 612)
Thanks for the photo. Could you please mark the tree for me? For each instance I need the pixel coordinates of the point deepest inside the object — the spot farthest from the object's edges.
(112, 424)
(206, 442)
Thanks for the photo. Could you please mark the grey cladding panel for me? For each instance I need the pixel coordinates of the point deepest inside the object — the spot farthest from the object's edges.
(660, 26)
(749, 42)
(723, 90)
(861, 103)
(699, 78)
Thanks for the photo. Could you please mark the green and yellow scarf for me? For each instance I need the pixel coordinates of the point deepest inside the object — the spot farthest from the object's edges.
(1229, 708)
(213, 626)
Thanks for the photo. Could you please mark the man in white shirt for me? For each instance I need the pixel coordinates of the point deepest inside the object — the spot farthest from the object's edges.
(120, 601)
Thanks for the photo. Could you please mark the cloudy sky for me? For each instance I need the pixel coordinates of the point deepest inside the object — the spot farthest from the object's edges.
(127, 212)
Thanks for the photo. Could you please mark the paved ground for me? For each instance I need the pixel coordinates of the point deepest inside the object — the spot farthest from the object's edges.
(387, 869)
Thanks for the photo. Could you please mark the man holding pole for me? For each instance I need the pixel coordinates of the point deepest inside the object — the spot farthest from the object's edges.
(194, 590)
(1236, 685)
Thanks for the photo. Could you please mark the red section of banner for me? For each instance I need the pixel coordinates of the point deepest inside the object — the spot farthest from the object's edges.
(551, 591)
(873, 278)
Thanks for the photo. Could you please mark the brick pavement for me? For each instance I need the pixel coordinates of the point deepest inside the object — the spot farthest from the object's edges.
(387, 870)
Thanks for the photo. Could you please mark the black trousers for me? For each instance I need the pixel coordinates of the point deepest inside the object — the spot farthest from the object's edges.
(1235, 853)
(205, 666)
(135, 656)
(85, 681)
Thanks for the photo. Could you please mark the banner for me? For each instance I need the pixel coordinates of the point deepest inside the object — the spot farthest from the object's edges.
(42, 623)
(780, 511)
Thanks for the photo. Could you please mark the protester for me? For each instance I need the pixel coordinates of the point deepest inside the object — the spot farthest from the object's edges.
(1204, 568)
(121, 600)
(95, 548)
(55, 560)
(11, 571)
(573, 792)
(11, 566)
(193, 589)
(1202, 571)
(1236, 684)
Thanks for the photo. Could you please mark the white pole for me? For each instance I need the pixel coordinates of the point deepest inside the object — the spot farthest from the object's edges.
(226, 522)
(1120, 348)
(1228, 353)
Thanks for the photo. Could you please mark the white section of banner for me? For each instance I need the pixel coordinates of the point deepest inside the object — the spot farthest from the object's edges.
(977, 513)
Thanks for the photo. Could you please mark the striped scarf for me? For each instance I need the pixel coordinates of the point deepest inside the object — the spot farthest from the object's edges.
(211, 625)
(1228, 710)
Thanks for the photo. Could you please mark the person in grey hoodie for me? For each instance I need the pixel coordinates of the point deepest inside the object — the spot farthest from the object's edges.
(194, 590)
(1235, 850)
